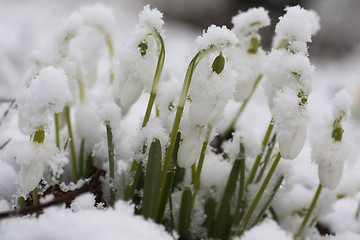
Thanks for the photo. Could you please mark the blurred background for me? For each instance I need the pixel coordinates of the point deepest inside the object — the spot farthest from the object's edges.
(26, 25)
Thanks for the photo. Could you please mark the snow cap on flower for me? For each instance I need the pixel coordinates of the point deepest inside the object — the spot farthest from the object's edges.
(98, 16)
(249, 21)
(341, 104)
(298, 24)
(216, 36)
(151, 18)
(48, 93)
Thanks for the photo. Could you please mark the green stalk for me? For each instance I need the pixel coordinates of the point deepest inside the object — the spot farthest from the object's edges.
(109, 44)
(159, 67)
(2, 146)
(57, 130)
(241, 204)
(259, 195)
(72, 146)
(201, 162)
(259, 156)
(21, 202)
(81, 158)
(309, 212)
(35, 197)
(111, 154)
(267, 158)
(230, 128)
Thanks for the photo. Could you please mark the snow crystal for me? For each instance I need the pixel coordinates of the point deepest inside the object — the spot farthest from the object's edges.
(83, 202)
(8, 181)
(249, 21)
(341, 103)
(152, 18)
(306, 22)
(114, 223)
(216, 36)
(268, 228)
(56, 162)
(47, 94)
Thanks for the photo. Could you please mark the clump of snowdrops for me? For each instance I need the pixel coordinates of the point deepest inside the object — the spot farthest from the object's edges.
(75, 118)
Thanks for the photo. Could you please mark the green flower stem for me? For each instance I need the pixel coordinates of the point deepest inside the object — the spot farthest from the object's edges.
(81, 158)
(180, 108)
(72, 145)
(259, 156)
(57, 130)
(110, 46)
(111, 153)
(259, 195)
(159, 67)
(228, 131)
(2, 146)
(21, 202)
(35, 197)
(309, 212)
(201, 162)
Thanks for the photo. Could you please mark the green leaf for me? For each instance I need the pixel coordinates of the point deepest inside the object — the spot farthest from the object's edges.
(222, 225)
(164, 197)
(269, 200)
(266, 159)
(152, 181)
(185, 213)
(241, 203)
(210, 206)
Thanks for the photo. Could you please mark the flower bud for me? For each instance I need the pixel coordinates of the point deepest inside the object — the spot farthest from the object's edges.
(143, 47)
(218, 64)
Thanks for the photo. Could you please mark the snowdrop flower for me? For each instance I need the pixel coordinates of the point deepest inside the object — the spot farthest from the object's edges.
(295, 29)
(32, 158)
(47, 93)
(213, 79)
(248, 57)
(329, 149)
(140, 58)
(190, 147)
(288, 85)
(210, 91)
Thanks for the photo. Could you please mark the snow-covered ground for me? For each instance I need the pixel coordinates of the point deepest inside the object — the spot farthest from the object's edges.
(27, 25)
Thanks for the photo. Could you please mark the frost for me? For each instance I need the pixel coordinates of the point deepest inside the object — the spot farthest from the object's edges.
(57, 162)
(48, 93)
(152, 18)
(216, 36)
(83, 202)
(251, 20)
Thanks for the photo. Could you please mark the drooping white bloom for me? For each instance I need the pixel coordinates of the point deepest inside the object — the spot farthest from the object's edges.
(88, 123)
(209, 92)
(47, 93)
(32, 158)
(329, 151)
(248, 57)
(291, 120)
(296, 28)
(190, 147)
(139, 59)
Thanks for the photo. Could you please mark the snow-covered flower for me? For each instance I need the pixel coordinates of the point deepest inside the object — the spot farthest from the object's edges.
(209, 91)
(329, 149)
(190, 147)
(139, 58)
(216, 37)
(295, 29)
(46, 94)
(248, 57)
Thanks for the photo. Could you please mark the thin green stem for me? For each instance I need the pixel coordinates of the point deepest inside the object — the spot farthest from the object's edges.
(230, 128)
(72, 145)
(201, 162)
(81, 158)
(259, 195)
(259, 156)
(2, 146)
(159, 67)
(57, 130)
(109, 44)
(35, 197)
(111, 154)
(309, 212)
